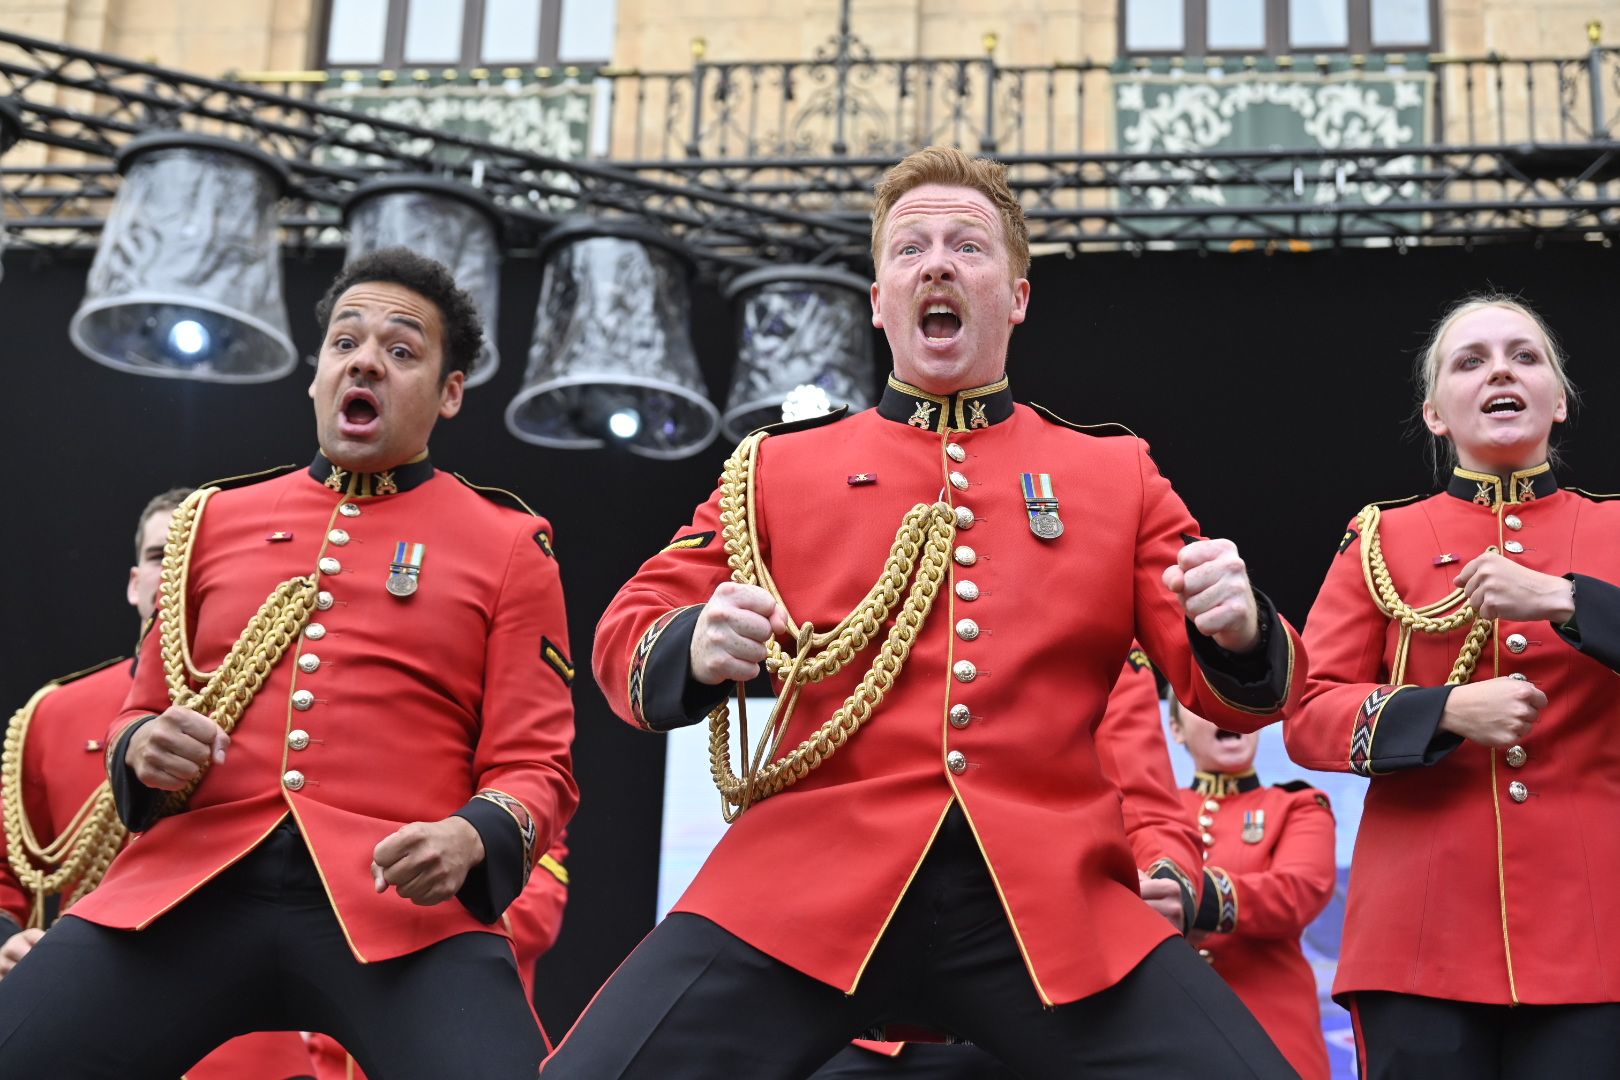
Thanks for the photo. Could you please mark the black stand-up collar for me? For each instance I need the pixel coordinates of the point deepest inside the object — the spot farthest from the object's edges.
(1491, 491)
(962, 411)
(413, 473)
(1221, 784)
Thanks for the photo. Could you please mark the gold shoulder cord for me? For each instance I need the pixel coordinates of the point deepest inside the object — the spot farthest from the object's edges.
(228, 689)
(919, 555)
(81, 852)
(1427, 619)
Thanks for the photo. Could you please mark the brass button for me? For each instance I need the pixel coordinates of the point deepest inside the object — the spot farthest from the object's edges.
(1512, 521)
(966, 590)
(1209, 840)
(1206, 856)
(302, 700)
(329, 565)
(297, 738)
(292, 779)
(1518, 792)
(1205, 820)
(960, 716)
(1521, 676)
(1517, 643)
(964, 555)
(967, 629)
(1208, 959)
(958, 481)
(314, 631)
(1212, 805)
(1517, 756)
(323, 600)
(965, 671)
(964, 517)
(956, 761)
(956, 452)
(1513, 547)
(338, 536)
(309, 663)
(349, 509)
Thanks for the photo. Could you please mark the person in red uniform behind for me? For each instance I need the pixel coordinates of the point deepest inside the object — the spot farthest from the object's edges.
(1131, 748)
(400, 762)
(932, 839)
(1268, 871)
(1463, 656)
(534, 920)
(53, 772)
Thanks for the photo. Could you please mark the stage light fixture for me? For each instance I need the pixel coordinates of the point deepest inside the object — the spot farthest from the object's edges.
(797, 327)
(452, 222)
(186, 281)
(611, 361)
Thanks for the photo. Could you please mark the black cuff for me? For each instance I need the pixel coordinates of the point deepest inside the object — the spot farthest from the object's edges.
(1594, 629)
(1209, 908)
(1189, 895)
(1256, 681)
(493, 884)
(8, 926)
(670, 697)
(1408, 734)
(138, 805)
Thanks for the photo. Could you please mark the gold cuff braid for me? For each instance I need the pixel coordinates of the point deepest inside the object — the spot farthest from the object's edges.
(227, 690)
(1427, 619)
(920, 555)
(74, 862)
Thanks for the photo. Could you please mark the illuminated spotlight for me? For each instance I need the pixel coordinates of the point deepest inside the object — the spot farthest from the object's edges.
(611, 336)
(188, 337)
(624, 424)
(193, 237)
(447, 221)
(798, 327)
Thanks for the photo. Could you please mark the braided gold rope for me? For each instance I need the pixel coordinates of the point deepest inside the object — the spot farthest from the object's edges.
(919, 555)
(227, 690)
(1427, 619)
(81, 852)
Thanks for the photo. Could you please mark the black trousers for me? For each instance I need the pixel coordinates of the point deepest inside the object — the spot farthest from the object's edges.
(694, 1001)
(259, 949)
(1406, 1037)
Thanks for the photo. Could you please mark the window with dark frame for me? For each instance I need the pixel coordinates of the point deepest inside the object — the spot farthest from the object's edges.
(1201, 28)
(465, 34)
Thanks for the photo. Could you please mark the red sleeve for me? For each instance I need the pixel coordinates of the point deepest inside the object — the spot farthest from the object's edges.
(535, 917)
(1239, 700)
(1281, 900)
(1134, 757)
(1351, 718)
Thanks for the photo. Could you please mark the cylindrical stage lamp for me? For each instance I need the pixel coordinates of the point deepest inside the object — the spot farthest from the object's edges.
(186, 283)
(10, 132)
(800, 329)
(451, 222)
(612, 361)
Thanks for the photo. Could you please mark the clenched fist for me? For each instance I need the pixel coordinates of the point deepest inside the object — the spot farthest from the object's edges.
(427, 862)
(728, 643)
(1494, 712)
(1499, 588)
(171, 750)
(1213, 585)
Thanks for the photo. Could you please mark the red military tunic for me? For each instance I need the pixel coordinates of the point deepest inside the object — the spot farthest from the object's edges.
(387, 710)
(62, 766)
(811, 876)
(1269, 871)
(1480, 875)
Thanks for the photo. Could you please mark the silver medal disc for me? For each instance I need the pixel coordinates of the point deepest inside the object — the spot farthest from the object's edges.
(1046, 526)
(401, 584)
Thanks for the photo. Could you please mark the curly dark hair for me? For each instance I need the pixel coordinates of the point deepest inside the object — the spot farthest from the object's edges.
(463, 327)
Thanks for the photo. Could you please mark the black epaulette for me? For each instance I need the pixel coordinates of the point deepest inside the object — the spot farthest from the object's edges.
(788, 426)
(1104, 429)
(1305, 785)
(91, 670)
(1385, 504)
(228, 482)
(1350, 533)
(501, 496)
(1597, 496)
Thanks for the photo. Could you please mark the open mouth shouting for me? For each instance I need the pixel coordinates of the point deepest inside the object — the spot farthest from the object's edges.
(359, 413)
(940, 320)
(1224, 736)
(1504, 405)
